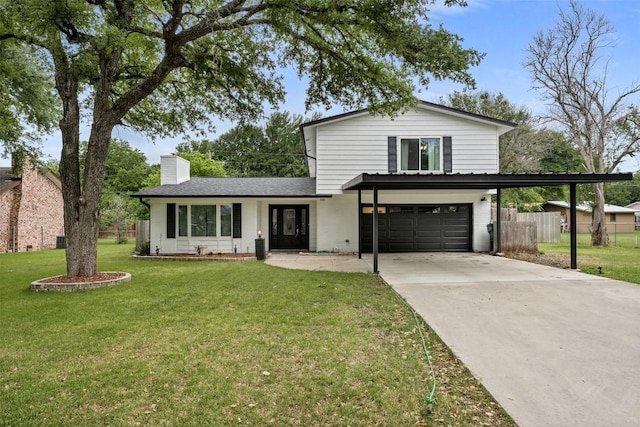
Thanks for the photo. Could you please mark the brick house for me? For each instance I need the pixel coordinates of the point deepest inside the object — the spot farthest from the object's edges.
(31, 209)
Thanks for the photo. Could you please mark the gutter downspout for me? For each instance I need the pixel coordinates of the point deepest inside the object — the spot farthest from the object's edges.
(145, 203)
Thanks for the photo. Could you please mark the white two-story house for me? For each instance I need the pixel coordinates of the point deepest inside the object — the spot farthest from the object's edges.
(401, 173)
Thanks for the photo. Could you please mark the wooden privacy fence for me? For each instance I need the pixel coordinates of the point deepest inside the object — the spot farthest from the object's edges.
(548, 224)
(521, 232)
(142, 232)
(519, 236)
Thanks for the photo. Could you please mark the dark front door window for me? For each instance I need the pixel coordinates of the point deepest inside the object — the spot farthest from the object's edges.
(289, 227)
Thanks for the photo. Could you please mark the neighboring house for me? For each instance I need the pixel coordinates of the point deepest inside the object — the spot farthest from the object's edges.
(618, 219)
(636, 207)
(401, 160)
(31, 209)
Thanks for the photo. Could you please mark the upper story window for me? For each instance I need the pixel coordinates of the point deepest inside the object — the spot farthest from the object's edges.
(420, 154)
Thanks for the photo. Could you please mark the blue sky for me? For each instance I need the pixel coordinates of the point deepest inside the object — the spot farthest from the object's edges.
(500, 28)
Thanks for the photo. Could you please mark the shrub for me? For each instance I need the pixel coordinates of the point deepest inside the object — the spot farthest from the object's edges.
(144, 249)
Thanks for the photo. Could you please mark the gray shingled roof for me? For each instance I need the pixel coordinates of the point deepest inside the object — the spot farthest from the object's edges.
(236, 187)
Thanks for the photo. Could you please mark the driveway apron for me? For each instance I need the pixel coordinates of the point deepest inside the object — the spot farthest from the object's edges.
(555, 347)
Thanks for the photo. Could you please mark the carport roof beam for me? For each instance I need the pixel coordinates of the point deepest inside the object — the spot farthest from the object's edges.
(473, 181)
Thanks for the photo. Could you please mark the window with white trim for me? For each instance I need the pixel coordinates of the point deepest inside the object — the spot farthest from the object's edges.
(420, 154)
(206, 220)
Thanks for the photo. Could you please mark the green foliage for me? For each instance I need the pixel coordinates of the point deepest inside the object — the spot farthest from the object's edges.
(153, 179)
(170, 67)
(162, 68)
(524, 149)
(118, 215)
(29, 107)
(274, 149)
(634, 190)
(203, 165)
(126, 168)
(624, 192)
(143, 249)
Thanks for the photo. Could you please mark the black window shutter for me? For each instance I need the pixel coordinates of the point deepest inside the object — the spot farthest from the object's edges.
(171, 220)
(237, 220)
(447, 154)
(393, 154)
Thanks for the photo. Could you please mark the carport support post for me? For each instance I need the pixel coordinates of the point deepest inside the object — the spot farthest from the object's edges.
(497, 232)
(375, 230)
(573, 230)
(359, 223)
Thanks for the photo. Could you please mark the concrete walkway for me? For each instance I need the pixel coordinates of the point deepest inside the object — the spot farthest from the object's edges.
(312, 261)
(554, 347)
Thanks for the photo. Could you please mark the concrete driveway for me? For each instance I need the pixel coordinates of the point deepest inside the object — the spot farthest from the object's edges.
(554, 347)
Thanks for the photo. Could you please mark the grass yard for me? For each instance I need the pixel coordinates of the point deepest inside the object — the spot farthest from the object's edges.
(620, 260)
(220, 343)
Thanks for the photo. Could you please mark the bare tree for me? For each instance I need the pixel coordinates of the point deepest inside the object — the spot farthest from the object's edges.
(569, 67)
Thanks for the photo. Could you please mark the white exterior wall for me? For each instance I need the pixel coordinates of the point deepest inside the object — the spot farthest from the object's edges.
(255, 216)
(338, 216)
(338, 224)
(349, 147)
(333, 221)
(187, 244)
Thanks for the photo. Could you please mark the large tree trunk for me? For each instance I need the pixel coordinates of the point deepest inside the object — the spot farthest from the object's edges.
(82, 199)
(599, 236)
(82, 209)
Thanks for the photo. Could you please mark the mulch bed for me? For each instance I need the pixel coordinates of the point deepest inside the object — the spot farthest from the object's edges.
(552, 260)
(64, 283)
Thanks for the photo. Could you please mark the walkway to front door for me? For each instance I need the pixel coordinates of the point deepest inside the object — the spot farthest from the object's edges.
(289, 227)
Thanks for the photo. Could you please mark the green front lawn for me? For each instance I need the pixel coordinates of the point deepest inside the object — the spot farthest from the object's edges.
(208, 343)
(620, 260)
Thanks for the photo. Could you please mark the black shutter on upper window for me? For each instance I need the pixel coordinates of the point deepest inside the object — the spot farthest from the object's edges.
(393, 154)
(447, 154)
(171, 220)
(237, 220)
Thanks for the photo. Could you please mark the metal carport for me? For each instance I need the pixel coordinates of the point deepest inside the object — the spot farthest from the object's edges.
(376, 182)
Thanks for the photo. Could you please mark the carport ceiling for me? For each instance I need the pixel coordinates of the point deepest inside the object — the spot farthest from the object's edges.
(472, 181)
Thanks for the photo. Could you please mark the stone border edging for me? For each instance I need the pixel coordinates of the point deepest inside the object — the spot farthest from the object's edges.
(42, 286)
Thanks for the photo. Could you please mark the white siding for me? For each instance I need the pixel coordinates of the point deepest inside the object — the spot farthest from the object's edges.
(338, 224)
(255, 216)
(347, 148)
(338, 215)
(218, 243)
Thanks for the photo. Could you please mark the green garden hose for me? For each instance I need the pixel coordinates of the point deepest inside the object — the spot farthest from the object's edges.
(429, 399)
